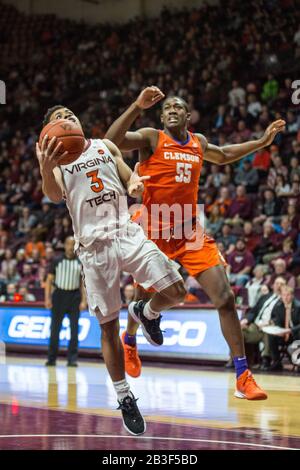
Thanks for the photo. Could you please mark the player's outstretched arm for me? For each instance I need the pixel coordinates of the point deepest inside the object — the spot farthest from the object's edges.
(118, 131)
(131, 180)
(48, 156)
(232, 153)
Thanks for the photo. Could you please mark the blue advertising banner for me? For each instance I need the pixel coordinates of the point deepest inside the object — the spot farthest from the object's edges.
(189, 333)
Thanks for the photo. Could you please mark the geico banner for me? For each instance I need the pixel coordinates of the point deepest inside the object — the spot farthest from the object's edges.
(187, 332)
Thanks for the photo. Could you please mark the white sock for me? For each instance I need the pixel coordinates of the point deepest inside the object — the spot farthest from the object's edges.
(122, 389)
(149, 313)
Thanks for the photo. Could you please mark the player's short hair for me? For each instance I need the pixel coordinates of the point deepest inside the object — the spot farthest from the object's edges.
(49, 112)
(179, 98)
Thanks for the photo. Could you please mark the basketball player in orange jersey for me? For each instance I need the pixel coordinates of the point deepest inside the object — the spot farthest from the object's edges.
(173, 157)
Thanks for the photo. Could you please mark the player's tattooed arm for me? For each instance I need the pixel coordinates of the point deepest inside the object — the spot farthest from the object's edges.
(233, 153)
(142, 138)
(131, 180)
(48, 156)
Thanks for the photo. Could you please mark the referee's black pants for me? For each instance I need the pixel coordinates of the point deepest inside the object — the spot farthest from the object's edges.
(64, 302)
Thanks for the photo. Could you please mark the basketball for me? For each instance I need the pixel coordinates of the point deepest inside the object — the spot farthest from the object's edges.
(71, 136)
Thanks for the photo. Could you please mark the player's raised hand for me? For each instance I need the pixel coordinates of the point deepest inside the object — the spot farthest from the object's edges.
(135, 186)
(272, 130)
(49, 153)
(149, 97)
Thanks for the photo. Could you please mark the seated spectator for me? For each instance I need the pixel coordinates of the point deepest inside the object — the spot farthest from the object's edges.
(227, 239)
(280, 270)
(216, 175)
(287, 252)
(262, 160)
(26, 222)
(247, 176)
(251, 238)
(254, 105)
(282, 188)
(241, 263)
(237, 95)
(215, 221)
(258, 317)
(224, 200)
(270, 89)
(3, 244)
(293, 215)
(240, 206)
(241, 134)
(46, 215)
(227, 183)
(11, 292)
(26, 296)
(8, 266)
(20, 259)
(294, 167)
(32, 244)
(286, 314)
(270, 207)
(254, 284)
(278, 168)
(285, 231)
(28, 278)
(267, 248)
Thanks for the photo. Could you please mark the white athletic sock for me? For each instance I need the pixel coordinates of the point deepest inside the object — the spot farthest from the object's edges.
(149, 313)
(122, 389)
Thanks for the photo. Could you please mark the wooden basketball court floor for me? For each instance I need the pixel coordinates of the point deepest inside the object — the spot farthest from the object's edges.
(185, 408)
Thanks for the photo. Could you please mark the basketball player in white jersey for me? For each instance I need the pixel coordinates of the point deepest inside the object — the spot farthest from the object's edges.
(107, 242)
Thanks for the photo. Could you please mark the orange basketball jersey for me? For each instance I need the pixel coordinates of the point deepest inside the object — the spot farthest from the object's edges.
(174, 168)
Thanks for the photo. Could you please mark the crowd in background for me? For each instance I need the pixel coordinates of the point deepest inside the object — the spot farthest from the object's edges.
(234, 64)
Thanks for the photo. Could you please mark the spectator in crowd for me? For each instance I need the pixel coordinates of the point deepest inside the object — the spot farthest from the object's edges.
(247, 176)
(251, 238)
(241, 263)
(259, 316)
(26, 296)
(286, 314)
(10, 294)
(265, 250)
(261, 161)
(280, 270)
(34, 243)
(254, 284)
(270, 207)
(227, 239)
(26, 222)
(240, 207)
(8, 266)
(237, 95)
(215, 221)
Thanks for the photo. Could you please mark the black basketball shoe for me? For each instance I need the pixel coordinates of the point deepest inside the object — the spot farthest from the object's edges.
(151, 328)
(133, 421)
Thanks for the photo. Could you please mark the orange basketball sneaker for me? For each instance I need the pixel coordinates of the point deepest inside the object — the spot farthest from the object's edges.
(133, 365)
(246, 387)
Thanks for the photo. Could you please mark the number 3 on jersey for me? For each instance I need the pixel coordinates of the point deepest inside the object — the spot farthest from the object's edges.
(96, 183)
(184, 173)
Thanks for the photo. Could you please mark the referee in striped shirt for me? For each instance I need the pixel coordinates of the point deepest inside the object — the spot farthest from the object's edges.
(68, 297)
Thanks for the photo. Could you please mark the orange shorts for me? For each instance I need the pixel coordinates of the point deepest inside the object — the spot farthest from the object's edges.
(196, 260)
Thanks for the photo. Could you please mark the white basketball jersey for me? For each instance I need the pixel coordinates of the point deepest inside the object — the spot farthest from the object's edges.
(95, 196)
